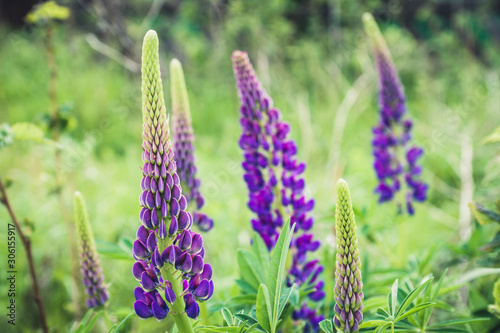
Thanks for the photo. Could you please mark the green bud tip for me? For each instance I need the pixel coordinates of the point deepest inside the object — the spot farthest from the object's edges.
(376, 38)
(180, 101)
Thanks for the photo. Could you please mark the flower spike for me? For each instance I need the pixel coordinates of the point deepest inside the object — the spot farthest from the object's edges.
(273, 175)
(348, 284)
(184, 146)
(97, 294)
(164, 244)
(395, 159)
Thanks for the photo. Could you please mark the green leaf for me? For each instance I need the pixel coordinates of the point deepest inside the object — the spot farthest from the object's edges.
(92, 322)
(411, 296)
(372, 323)
(246, 287)
(413, 310)
(392, 298)
(458, 322)
(116, 327)
(277, 270)
(250, 268)
(261, 252)
(241, 300)
(469, 276)
(326, 325)
(284, 298)
(84, 321)
(373, 303)
(263, 308)
(228, 316)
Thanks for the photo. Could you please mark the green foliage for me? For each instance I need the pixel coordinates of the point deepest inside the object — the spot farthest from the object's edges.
(263, 280)
(87, 323)
(409, 309)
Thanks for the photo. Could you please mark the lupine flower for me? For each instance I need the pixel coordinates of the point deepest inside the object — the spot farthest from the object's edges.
(92, 277)
(276, 187)
(348, 283)
(169, 256)
(395, 159)
(184, 146)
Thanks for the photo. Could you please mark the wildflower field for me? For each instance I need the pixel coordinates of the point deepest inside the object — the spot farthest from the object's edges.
(250, 166)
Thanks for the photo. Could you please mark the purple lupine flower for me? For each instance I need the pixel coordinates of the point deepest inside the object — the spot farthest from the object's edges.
(395, 158)
(184, 146)
(165, 245)
(276, 187)
(92, 277)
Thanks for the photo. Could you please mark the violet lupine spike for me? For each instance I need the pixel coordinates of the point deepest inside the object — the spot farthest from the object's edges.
(165, 244)
(395, 159)
(92, 277)
(184, 146)
(348, 283)
(276, 187)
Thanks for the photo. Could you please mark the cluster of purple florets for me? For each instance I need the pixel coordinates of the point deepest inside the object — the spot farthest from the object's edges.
(391, 136)
(92, 277)
(186, 168)
(165, 242)
(276, 187)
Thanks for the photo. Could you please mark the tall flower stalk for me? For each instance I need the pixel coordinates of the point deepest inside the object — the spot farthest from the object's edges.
(273, 175)
(169, 256)
(348, 283)
(92, 277)
(396, 160)
(184, 146)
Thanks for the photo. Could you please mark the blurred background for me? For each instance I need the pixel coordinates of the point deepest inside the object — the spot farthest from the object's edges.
(314, 60)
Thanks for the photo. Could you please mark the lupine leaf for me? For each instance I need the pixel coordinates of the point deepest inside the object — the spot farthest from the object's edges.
(277, 269)
(458, 322)
(241, 300)
(92, 322)
(116, 327)
(246, 286)
(264, 310)
(285, 295)
(228, 316)
(469, 276)
(372, 323)
(411, 297)
(84, 321)
(392, 298)
(327, 326)
(415, 309)
(261, 252)
(249, 268)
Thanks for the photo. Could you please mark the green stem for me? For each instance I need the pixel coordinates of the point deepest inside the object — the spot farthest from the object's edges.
(177, 309)
(392, 327)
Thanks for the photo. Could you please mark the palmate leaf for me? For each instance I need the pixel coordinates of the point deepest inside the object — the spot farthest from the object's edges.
(411, 297)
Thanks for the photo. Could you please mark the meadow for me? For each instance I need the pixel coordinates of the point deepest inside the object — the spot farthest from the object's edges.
(325, 83)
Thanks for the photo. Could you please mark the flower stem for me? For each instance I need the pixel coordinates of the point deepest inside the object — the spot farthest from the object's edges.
(27, 246)
(180, 317)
